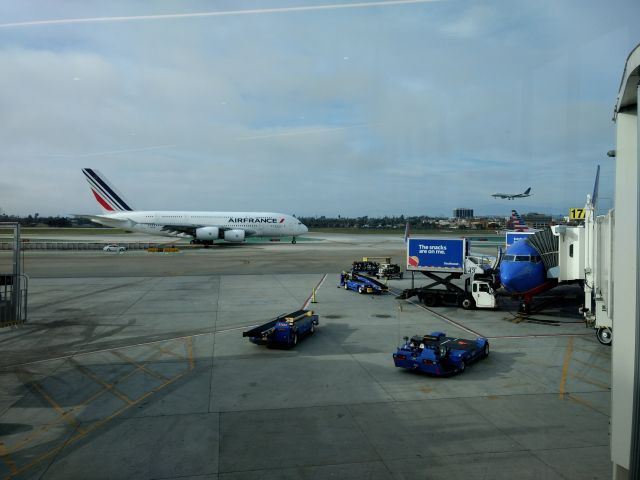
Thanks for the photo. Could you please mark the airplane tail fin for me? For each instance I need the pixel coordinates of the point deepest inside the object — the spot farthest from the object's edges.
(596, 185)
(518, 222)
(109, 199)
(526, 192)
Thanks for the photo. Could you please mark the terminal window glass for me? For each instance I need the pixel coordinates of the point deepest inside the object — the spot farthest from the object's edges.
(354, 116)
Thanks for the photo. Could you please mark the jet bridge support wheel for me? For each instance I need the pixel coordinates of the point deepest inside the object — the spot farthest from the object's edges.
(604, 335)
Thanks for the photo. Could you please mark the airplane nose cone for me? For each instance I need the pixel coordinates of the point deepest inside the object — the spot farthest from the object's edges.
(520, 277)
(511, 278)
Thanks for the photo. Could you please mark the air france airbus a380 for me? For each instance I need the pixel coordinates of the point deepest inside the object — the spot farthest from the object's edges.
(203, 227)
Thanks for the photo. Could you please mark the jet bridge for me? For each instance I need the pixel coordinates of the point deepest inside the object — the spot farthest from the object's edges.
(585, 255)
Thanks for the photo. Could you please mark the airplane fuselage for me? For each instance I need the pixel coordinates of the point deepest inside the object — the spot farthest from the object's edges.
(262, 224)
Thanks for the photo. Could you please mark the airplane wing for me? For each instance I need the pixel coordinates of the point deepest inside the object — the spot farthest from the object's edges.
(89, 217)
(191, 229)
(105, 220)
(184, 229)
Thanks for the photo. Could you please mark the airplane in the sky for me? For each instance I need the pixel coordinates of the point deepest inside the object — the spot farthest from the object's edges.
(202, 227)
(511, 196)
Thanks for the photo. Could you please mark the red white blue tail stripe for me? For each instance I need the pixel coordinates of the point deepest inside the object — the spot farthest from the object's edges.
(107, 196)
(518, 223)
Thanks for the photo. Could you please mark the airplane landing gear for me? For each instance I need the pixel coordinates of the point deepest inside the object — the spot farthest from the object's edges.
(525, 308)
(293, 240)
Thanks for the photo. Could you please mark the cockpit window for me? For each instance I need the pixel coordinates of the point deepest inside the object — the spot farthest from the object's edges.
(522, 258)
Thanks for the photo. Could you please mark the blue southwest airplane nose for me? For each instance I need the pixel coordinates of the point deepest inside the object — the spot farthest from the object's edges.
(521, 269)
(515, 277)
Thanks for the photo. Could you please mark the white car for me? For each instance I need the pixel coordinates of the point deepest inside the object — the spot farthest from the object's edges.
(114, 248)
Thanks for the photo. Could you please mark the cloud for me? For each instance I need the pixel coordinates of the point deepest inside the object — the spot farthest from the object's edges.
(246, 112)
(478, 20)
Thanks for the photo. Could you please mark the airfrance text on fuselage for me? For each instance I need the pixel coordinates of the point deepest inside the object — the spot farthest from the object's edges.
(253, 220)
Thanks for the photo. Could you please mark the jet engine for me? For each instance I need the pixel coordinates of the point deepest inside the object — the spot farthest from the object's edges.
(234, 235)
(207, 233)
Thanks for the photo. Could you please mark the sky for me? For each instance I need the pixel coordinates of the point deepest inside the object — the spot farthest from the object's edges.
(311, 107)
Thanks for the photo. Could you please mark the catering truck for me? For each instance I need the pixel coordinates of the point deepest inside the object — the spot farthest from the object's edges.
(446, 259)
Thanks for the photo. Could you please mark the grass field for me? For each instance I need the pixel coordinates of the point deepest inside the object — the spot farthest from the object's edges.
(65, 231)
(351, 231)
(400, 232)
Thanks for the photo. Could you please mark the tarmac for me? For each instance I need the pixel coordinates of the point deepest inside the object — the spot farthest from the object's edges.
(133, 366)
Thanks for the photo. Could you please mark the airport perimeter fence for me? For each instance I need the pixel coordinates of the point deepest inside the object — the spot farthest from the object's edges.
(77, 245)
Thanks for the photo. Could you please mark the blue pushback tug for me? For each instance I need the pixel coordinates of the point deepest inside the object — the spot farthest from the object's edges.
(438, 354)
(361, 283)
(285, 330)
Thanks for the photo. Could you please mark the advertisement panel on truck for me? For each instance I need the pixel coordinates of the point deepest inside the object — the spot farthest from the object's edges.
(436, 254)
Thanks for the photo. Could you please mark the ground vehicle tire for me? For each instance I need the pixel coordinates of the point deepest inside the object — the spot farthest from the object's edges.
(360, 290)
(604, 335)
(295, 339)
(346, 287)
(462, 366)
(313, 328)
(485, 352)
(467, 304)
(431, 299)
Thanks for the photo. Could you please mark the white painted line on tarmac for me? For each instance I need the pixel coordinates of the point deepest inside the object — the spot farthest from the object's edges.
(541, 335)
(496, 337)
(78, 354)
(317, 287)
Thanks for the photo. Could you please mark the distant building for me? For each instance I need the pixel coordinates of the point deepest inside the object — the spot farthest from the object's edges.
(537, 220)
(463, 213)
